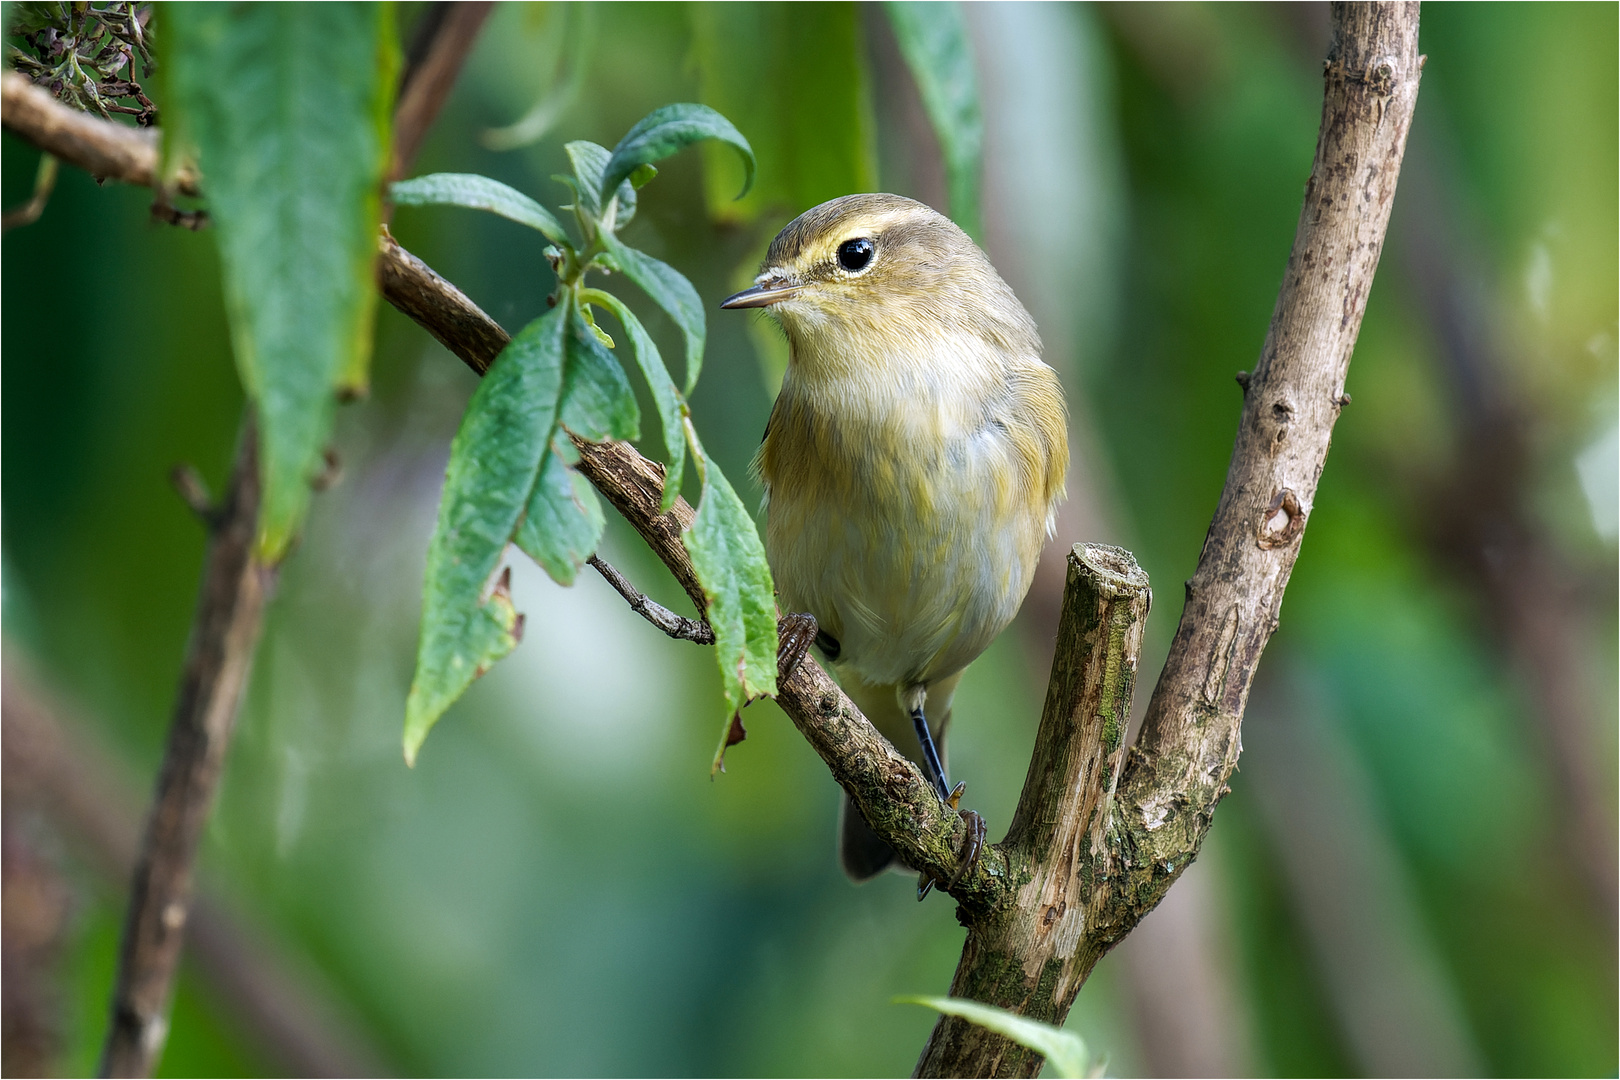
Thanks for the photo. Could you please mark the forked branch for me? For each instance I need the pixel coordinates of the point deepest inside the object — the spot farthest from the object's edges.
(1100, 835)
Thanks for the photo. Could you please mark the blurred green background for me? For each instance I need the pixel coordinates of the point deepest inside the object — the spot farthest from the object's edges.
(1415, 872)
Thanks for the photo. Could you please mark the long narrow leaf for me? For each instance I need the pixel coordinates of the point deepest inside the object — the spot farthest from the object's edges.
(478, 193)
(933, 38)
(730, 562)
(568, 78)
(494, 460)
(563, 522)
(664, 131)
(670, 290)
(671, 405)
(597, 402)
(589, 160)
(1064, 1051)
(287, 107)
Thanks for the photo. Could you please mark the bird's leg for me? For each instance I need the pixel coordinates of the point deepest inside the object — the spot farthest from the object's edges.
(794, 633)
(934, 771)
(951, 797)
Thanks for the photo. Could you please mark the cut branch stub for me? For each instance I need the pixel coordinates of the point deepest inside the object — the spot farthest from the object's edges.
(1031, 956)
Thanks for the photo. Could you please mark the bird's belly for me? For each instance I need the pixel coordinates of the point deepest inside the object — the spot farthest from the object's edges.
(914, 570)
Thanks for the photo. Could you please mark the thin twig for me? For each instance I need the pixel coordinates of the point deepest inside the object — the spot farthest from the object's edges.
(676, 626)
(193, 491)
(224, 632)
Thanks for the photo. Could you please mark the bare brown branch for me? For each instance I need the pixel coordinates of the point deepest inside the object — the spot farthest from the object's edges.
(104, 149)
(449, 32)
(676, 626)
(224, 632)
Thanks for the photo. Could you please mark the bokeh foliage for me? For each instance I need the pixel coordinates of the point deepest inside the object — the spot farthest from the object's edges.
(558, 888)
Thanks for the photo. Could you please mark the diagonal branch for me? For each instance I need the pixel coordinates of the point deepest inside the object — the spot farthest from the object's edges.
(889, 789)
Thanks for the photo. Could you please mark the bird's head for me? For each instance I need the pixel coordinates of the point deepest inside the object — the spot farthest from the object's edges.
(879, 275)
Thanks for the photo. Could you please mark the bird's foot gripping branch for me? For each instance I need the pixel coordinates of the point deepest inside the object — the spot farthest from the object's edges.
(555, 385)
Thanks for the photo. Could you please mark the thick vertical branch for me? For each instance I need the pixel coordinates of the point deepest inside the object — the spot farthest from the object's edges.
(1032, 956)
(230, 611)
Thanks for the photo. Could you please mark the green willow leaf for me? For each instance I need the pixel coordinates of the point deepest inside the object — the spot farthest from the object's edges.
(563, 522)
(494, 460)
(597, 402)
(589, 159)
(934, 39)
(478, 193)
(756, 64)
(1064, 1051)
(664, 131)
(671, 405)
(670, 290)
(288, 107)
(730, 562)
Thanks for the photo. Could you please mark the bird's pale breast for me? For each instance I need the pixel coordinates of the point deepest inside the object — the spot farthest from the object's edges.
(907, 510)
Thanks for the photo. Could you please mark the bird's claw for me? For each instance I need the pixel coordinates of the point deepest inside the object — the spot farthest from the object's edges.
(794, 633)
(971, 847)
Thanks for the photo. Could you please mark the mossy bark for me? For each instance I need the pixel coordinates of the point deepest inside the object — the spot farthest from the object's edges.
(1031, 955)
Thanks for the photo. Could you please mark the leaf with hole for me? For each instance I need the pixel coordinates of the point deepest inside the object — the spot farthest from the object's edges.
(287, 107)
(494, 460)
(478, 193)
(730, 562)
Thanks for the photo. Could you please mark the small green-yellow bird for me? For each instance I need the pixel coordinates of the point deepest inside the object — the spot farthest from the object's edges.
(912, 465)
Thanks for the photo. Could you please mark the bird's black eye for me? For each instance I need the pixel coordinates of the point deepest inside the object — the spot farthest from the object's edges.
(853, 255)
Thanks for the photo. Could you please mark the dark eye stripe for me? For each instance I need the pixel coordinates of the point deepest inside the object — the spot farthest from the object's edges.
(853, 255)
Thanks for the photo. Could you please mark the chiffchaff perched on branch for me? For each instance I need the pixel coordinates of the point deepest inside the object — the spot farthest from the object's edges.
(912, 464)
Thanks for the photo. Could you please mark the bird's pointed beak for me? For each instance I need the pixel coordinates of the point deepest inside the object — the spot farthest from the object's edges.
(762, 295)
